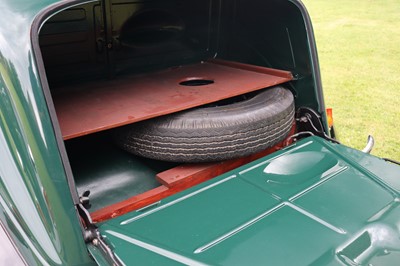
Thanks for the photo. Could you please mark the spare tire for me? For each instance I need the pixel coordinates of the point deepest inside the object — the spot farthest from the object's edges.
(213, 133)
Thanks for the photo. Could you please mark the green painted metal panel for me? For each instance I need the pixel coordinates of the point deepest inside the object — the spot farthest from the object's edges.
(308, 204)
(109, 173)
(37, 208)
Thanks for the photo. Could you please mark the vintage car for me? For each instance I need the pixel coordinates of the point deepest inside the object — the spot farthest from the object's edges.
(179, 132)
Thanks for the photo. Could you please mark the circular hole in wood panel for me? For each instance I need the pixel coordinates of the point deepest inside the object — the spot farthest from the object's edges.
(196, 82)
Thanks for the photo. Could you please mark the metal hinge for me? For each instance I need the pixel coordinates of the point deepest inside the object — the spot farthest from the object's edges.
(309, 121)
(92, 235)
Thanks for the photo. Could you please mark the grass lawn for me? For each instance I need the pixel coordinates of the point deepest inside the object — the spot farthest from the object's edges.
(359, 51)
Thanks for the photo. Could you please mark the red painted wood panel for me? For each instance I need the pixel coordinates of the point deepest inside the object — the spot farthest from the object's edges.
(102, 105)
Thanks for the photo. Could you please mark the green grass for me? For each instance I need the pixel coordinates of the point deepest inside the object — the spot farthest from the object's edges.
(359, 51)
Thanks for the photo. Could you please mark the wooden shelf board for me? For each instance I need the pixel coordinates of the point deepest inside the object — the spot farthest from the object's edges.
(102, 105)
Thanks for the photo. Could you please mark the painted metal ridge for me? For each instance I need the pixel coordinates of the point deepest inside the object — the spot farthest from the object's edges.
(238, 229)
(264, 215)
(171, 203)
(158, 250)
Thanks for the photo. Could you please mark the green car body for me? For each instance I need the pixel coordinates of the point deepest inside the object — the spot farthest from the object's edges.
(315, 202)
(37, 207)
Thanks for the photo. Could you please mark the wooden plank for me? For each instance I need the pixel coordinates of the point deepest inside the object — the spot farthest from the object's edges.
(142, 200)
(102, 105)
(254, 68)
(133, 203)
(187, 173)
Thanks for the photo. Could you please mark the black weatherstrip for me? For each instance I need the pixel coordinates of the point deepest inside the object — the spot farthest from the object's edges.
(36, 25)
